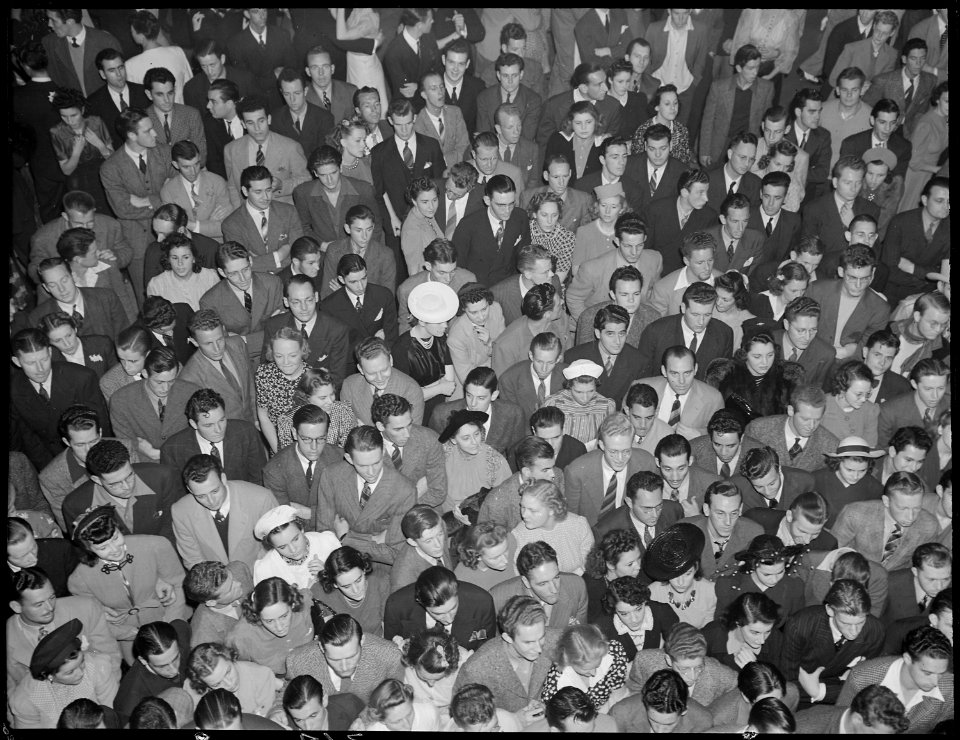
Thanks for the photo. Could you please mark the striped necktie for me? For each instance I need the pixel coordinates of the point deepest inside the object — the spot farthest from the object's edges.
(610, 496)
(674, 413)
(893, 541)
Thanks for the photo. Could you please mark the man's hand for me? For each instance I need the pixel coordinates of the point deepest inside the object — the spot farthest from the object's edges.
(395, 224)
(333, 284)
(276, 184)
(810, 682)
(482, 334)
(530, 713)
(314, 565)
(689, 507)
(148, 450)
(408, 90)
(283, 252)
(846, 350)
(139, 202)
(340, 526)
(220, 212)
(706, 160)
(744, 655)
(906, 265)
(165, 592)
(380, 537)
(106, 254)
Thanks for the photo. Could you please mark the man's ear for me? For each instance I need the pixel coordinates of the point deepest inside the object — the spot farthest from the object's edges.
(15, 606)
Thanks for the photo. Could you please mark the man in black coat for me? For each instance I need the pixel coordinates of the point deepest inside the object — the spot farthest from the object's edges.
(261, 50)
(409, 55)
(801, 524)
(780, 227)
(765, 483)
(884, 119)
(108, 101)
(804, 131)
(461, 88)
(305, 123)
(610, 351)
(212, 62)
(734, 176)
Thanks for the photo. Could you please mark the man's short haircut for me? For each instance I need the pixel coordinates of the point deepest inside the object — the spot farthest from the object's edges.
(349, 264)
(848, 162)
(933, 554)
(643, 480)
(533, 555)
(672, 445)
(915, 436)
(699, 292)
(885, 105)
(625, 274)
(644, 395)
(339, 630)
(464, 174)
(301, 247)
(611, 314)
(144, 22)
(724, 422)
(801, 306)
(942, 602)
(29, 340)
(691, 177)
(436, 585)
(720, 488)
(657, 132)
(104, 55)
(184, 149)
(856, 256)
(204, 580)
(529, 254)
(734, 201)
(546, 341)
(885, 338)
(153, 713)
(685, 641)
(358, 212)
(107, 456)
(927, 641)
(519, 611)
(614, 425)
(128, 122)
(582, 72)
(758, 461)
(158, 74)
(629, 223)
(929, 366)
(252, 104)
(508, 60)
(803, 96)
(851, 73)
(198, 469)
(371, 347)
(848, 597)
(483, 377)
(938, 181)
(934, 299)
(547, 416)
(363, 439)
(745, 54)
(171, 212)
(441, 251)
(879, 707)
(569, 703)
(499, 184)
(227, 89)
(399, 107)
(776, 179)
(254, 173)
(473, 704)
(324, 154)
(677, 352)
(160, 360)
(309, 414)
(637, 42)
(532, 448)
(78, 200)
(665, 692)
(203, 401)
(812, 506)
(288, 74)
(78, 418)
(808, 394)
(743, 137)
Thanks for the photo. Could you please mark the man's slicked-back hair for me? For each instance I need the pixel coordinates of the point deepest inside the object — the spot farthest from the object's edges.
(665, 692)
(879, 707)
(759, 461)
(363, 439)
(519, 611)
(107, 456)
(848, 597)
(533, 555)
(695, 241)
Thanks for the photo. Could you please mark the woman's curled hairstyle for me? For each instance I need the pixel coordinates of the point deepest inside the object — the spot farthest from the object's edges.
(268, 592)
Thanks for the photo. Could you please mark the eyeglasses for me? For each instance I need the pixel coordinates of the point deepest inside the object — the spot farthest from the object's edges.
(312, 441)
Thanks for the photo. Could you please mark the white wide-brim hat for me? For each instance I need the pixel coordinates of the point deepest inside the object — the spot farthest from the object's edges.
(276, 517)
(855, 447)
(433, 303)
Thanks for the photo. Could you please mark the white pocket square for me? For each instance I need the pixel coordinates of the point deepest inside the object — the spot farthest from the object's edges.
(518, 240)
(379, 315)
(321, 358)
(748, 262)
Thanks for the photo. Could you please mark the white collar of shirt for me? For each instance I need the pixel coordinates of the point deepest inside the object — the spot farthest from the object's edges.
(779, 495)
(225, 509)
(578, 97)
(254, 146)
(47, 384)
(683, 281)
(666, 403)
(431, 623)
(136, 156)
(621, 480)
(453, 87)
(640, 526)
(353, 302)
(861, 27)
(799, 131)
(775, 218)
(459, 205)
(834, 632)
(67, 308)
(727, 180)
(875, 143)
(411, 41)
(892, 681)
(604, 180)
(239, 293)
(412, 141)
(116, 95)
(435, 118)
(486, 427)
(537, 381)
(373, 486)
(256, 214)
(783, 532)
(652, 170)
(789, 346)
(523, 289)
(733, 463)
(304, 462)
(688, 334)
(310, 324)
(236, 127)
(80, 37)
(205, 445)
(645, 626)
(905, 78)
(840, 203)
(257, 36)
(918, 592)
(187, 185)
(791, 436)
(603, 14)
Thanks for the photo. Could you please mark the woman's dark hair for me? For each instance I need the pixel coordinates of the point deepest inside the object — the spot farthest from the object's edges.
(608, 549)
(771, 715)
(340, 561)
(758, 678)
(270, 591)
(732, 282)
(153, 713)
(178, 240)
(848, 373)
(433, 650)
(749, 608)
(628, 589)
(68, 97)
(95, 532)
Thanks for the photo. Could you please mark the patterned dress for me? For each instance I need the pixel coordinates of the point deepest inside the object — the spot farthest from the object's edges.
(559, 243)
(611, 675)
(582, 422)
(275, 393)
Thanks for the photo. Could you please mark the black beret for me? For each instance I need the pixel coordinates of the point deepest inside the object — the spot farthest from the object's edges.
(458, 419)
(52, 651)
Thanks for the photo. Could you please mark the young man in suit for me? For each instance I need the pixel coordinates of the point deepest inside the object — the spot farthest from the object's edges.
(461, 197)
(97, 310)
(878, 351)
(412, 449)
(235, 442)
(376, 377)
(692, 327)
(652, 166)
(535, 265)
(487, 240)
(245, 299)
(293, 474)
(589, 83)
(132, 177)
(929, 381)
(299, 119)
(509, 90)
(734, 104)
(626, 289)
(200, 193)
(765, 483)
(172, 121)
(610, 350)
(720, 450)
(142, 494)
(504, 425)
(261, 52)
(803, 523)
(43, 390)
(464, 610)
(359, 225)
(603, 29)
(873, 55)
(486, 157)
(461, 89)
(933, 30)
(76, 69)
(613, 161)
(799, 341)
(266, 225)
(739, 247)
(666, 227)
(640, 404)
(215, 521)
(369, 496)
(333, 95)
(735, 175)
(645, 510)
(410, 54)
(857, 27)
(596, 483)
(113, 98)
(684, 482)
(534, 459)
(820, 642)
(366, 309)
(797, 437)
(576, 204)
(779, 227)
(884, 121)
(438, 121)
(283, 157)
(912, 590)
(563, 596)
(888, 531)
(805, 132)
(529, 382)
(221, 125)
(515, 148)
(921, 335)
(212, 62)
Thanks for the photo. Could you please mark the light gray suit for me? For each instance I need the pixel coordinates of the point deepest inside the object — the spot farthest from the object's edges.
(861, 526)
(282, 156)
(571, 607)
(204, 373)
(583, 481)
(211, 194)
(592, 282)
(703, 402)
(267, 296)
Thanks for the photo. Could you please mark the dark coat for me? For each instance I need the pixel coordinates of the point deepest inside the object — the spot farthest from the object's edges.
(663, 333)
(379, 312)
(477, 248)
(101, 104)
(664, 233)
(624, 369)
(391, 177)
(475, 623)
(776, 247)
(330, 341)
(821, 217)
(317, 124)
(243, 452)
(717, 191)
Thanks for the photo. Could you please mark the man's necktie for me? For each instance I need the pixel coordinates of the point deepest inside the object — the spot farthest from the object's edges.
(674, 413)
(261, 41)
(248, 301)
(231, 378)
(440, 126)
(229, 129)
(928, 416)
(893, 541)
(653, 182)
(769, 227)
(77, 316)
(296, 125)
(609, 496)
(796, 449)
(161, 410)
(407, 156)
(75, 45)
(309, 474)
(908, 96)
(143, 166)
(219, 518)
(731, 248)
(263, 225)
(396, 457)
(509, 98)
(794, 355)
(693, 344)
(733, 188)
(606, 23)
(725, 471)
(930, 231)
(326, 100)
(943, 38)
(922, 604)
(418, 48)
(541, 393)
(840, 642)
(647, 536)
(483, 180)
(377, 393)
(260, 158)
(42, 632)
(846, 214)
(771, 503)
(215, 454)
(803, 140)
(359, 305)
(451, 219)
(193, 195)
(453, 97)
(508, 155)
(123, 104)
(718, 553)
(303, 328)
(166, 127)
(43, 393)
(683, 220)
(499, 235)
(365, 495)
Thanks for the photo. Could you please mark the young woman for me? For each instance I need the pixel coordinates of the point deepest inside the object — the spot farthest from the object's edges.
(583, 407)
(545, 210)
(317, 386)
(746, 632)
(432, 660)
(595, 238)
(351, 586)
(277, 379)
(666, 102)
(587, 661)
(732, 300)
(756, 385)
(183, 279)
(293, 554)
(349, 138)
(763, 569)
(214, 666)
(471, 335)
(790, 281)
(848, 412)
(81, 144)
(274, 623)
(486, 552)
(544, 516)
(847, 476)
(420, 227)
(363, 70)
(392, 707)
(579, 139)
(617, 554)
(471, 463)
(679, 581)
(632, 618)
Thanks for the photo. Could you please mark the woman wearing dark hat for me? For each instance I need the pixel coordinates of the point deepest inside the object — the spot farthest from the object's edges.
(763, 569)
(746, 632)
(846, 477)
(136, 578)
(632, 618)
(471, 463)
(60, 672)
(673, 561)
(422, 352)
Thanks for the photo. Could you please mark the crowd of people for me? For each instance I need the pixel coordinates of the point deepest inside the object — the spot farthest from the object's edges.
(483, 370)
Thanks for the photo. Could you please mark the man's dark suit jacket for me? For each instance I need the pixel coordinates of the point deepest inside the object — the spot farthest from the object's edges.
(664, 233)
(508, 425)
(619, 518)
(101, 104)
(816, 360)
(317, 124)
(770, 520)
(477, 249)
(32, 110)
(871, 313)
(401, 65)
(379, 312)
(325, 223)
(60, 65)
(181, 346)
(286, 478)
(749, 249)
(475, 623)
(902, 598)
(820, 149)
(57, 557)
(195, 89)
(795, 482)
(821, 217)
(516, 386)
(717, 341)
(474, 202)
(244, 52)
(905, 238)
(891, 386)
(392, 178)
(590, 34)
(103, 313)
(151, 514)
(94, 346)
(217, 138)
(856, 144)
(705, 457)
(776, 247)
(624, 368)
(808, 643)
(717, 190)
(631, 188)
(842, 34)
(524, 98)
(330, 341)
(470, 88)
(666, 183)
(243, 452)
(69, 384)
(903, 412)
